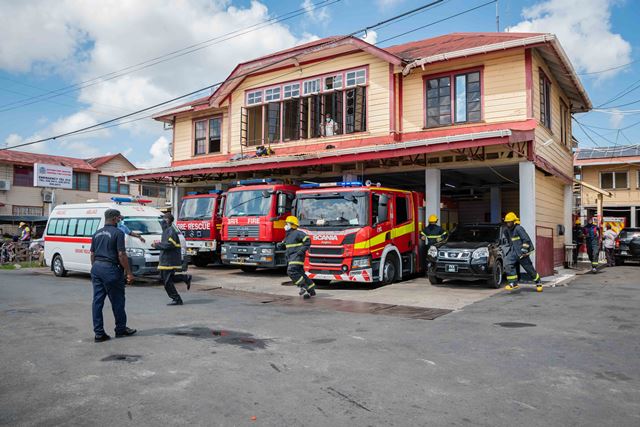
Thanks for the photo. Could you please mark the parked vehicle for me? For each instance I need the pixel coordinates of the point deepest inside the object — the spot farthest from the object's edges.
(253, 223)
(472, 252)
(200, 220)
(627, 246)
(70, 228)
(360, 233)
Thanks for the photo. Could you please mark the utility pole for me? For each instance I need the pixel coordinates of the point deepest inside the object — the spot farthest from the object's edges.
(497, 17)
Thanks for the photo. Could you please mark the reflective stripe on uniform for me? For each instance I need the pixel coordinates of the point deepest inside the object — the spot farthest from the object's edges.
(311, 286)
(514, 277)
(297, 282)
(515, 238)
(305, 238)
(525, 245)
(169, 267)
(292, 245)
(296, 262)
(177, 245)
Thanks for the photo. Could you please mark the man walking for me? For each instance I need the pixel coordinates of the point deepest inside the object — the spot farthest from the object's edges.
(577, 237)
(609, 237)
(171, 259)
(109, 262)
(592, 236)
(297, 243)
(519, 250)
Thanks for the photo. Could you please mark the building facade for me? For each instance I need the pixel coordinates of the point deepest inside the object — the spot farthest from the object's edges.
(480, 122)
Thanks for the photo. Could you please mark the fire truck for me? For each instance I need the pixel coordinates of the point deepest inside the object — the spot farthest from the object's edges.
(360, 233)
(253, 223)
(200, 220)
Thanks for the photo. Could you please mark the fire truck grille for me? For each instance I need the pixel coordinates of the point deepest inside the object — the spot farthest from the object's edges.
(319, 250)
(327, 261)
(243, 231)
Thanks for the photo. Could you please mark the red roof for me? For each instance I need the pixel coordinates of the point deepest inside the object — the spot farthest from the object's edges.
(450, 43)
(24, 158)
(99, 161)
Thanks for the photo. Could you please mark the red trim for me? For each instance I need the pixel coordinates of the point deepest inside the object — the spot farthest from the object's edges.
(452, 74)
(606, 161)
(392, 100)
(66, 239)
(528, 75)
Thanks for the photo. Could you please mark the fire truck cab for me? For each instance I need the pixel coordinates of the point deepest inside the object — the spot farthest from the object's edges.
(360, 233)
(253, 223)
(200, 220)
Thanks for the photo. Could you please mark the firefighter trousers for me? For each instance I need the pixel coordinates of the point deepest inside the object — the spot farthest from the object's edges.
(295, 271)
(593, 251)
(511, 268)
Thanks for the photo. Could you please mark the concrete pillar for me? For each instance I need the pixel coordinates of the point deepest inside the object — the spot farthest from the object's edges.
(633, 221)
(496, 204)
(568, 214)
(176, 197)
(432, 185)
(527, 208)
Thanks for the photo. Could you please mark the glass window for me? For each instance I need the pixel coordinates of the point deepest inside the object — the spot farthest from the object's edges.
(80, 181)
(291, 120)
(61, 227)
(358, 77)
(606, 180)
(80, 231)
(272, 122)
(113, 184)
(344, 210)
(196, 208)
(621, 180)
(201, 137)
(103, 184)
(402, 209)
(332, 124)
(51, 228)
(614, 180)
(72, 226)
(123, 189)
(439, 102)
(254, 126)
(356, 110)
(214, 134)
(311, 86)
(467, 104)
(292, 90)
(247, 203)
(91, 227)
(154, 191)
(272, 94)
(23, 176)
(333, 82)
(254, 97)
(545, 101)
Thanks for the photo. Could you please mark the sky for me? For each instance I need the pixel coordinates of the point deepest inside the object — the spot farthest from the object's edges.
(68, 64)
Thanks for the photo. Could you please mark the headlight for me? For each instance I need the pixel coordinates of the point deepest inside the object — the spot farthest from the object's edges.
(223, 249)
(480, 253)
(361, 262)
(267, 251)
(135, 252)
(433, 252)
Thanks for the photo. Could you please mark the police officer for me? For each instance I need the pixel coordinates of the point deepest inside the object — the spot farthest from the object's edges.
(109, 262)
(171, 259)
(297, 243)
(520, 248)
(592, 236)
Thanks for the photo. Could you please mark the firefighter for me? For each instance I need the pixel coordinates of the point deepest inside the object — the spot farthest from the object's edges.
(577, 235)
(592, 237)
(171, 260)
(433, 233)
(520, 247)
(297, 243)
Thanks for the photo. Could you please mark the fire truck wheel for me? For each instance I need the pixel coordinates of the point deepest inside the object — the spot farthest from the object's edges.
(58, 266)
(200, 261)
(248, 269)
(389, 269)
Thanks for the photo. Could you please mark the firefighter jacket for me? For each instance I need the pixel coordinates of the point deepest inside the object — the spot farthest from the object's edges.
(170, 249)
(577, 234)
(591, 233)
(521, 243)
(296, 243)
(434, 234)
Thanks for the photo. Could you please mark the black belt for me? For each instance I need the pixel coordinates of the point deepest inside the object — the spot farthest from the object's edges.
(104, 261)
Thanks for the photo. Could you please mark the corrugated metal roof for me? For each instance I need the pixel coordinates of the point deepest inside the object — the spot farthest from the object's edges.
(608, 152)
(25, 158)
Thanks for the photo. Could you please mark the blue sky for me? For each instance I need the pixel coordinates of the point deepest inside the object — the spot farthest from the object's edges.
(52, 48)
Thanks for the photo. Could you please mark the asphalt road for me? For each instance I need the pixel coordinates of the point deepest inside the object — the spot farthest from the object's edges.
(568, 356)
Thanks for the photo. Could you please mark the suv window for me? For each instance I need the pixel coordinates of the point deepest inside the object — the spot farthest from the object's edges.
(469, 233)
(629, 233)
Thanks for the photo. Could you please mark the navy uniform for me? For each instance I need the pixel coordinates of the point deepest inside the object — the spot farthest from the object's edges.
(592, 238)
(519, 249)
(171, 260)
(296, 245)
(107, 276)
(433, 233)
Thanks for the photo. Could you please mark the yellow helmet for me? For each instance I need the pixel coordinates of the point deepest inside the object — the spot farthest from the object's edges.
(292, 220)
(578, 222)
(433, 219)
(21, 224)
(511, 217)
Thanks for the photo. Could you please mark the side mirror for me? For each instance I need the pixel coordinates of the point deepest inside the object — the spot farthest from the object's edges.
(283, 202)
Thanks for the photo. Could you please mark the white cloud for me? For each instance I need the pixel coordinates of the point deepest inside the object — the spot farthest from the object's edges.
(584, 30)
(159, 155)
(371, 37)
(319, 15)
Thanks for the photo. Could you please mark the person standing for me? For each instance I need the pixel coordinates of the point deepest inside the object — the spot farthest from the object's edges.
(171, 259)
(432, 234)
(577, 237)
(592, 238)
(609, 237)
(25, 234)
(519, 250)
(297, 243)
(330, 127)
(109, 263)
(127, 231)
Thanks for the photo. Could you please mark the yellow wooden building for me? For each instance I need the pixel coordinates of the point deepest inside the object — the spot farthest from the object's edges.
(481, 122)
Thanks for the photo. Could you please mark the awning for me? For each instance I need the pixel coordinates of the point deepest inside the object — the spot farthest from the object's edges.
(16, 219)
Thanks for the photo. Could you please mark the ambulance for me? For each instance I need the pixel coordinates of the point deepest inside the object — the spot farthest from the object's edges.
(67, 238)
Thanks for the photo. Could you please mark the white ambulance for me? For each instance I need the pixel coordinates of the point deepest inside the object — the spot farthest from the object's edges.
(67, 238)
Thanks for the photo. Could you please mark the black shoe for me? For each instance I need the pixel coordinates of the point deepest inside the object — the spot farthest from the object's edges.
(302, 291)
(312, 292)
(176, 302)
(102, 338)
(188, 281)
(306, 296)
(126, 333)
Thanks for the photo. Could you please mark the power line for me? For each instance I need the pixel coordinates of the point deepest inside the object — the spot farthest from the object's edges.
(155, 106)
(165, 57)
(609, 69)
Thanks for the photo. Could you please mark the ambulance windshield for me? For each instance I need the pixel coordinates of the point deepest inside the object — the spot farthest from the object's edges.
(336, 210)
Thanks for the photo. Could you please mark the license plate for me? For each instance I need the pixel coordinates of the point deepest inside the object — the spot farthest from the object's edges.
(452, 268)
(623, 253)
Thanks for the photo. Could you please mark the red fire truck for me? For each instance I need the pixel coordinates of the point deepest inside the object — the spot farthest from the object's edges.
(200, 220)
(360, 233)
(253, 223)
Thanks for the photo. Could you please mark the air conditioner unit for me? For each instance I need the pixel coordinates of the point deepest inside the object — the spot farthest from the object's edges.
(47, 197)
(5, 185)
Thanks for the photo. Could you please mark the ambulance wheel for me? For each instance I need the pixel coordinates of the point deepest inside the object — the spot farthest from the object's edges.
(200, 261)
(496, 275)
(389, 269)
(248, 269)
(58, 266)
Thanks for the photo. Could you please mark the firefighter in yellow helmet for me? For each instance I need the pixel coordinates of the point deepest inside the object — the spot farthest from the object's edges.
(433, 233)
(296, 244)
(520, 247)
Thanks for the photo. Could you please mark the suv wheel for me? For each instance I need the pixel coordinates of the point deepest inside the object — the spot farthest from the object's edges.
(434, 280)
(200, 260)
(619, 261)
(496, 275)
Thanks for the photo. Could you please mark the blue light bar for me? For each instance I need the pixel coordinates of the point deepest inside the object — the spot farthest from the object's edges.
(255, 181)
(310, 185)
(122, 199)
(331, 184)
(192, 193)
(350, 184)
(215, 191)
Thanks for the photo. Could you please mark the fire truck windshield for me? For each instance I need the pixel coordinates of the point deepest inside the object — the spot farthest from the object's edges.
(336, 211)
(247, 203)
(196, 208)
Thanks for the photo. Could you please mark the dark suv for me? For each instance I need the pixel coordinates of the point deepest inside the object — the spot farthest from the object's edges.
(627, 246)
(472, 252)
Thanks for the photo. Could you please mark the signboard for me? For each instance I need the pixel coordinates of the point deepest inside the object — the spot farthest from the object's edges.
(52, 176)
(617, 223)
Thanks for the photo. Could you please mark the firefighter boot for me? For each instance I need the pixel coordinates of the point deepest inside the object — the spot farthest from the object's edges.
(538, 284)
(512, 287)
(302, 291)
(538, 287)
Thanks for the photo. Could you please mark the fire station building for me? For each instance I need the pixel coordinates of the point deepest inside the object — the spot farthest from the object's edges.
(479, 122)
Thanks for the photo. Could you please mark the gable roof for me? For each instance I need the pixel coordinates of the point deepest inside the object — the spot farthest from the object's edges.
(99, 161)
(24, 158)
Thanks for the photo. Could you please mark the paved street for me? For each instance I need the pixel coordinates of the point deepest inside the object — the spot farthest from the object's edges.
(568, 356)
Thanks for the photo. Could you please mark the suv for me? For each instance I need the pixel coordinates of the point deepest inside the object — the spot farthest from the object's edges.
(472, 252)
(627, 246)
